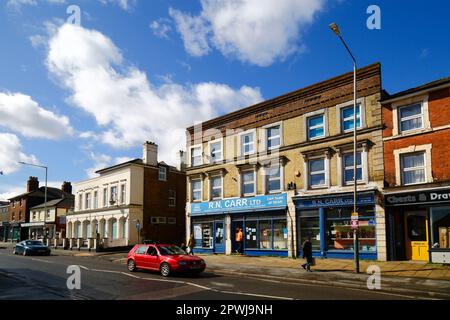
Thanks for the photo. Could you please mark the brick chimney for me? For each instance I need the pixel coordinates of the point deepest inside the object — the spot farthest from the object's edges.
(32, 184)
(66, 187)
(150, 153)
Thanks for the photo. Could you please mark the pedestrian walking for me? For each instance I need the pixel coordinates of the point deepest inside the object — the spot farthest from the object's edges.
(191, 245)
(307, 254)
(239, 237)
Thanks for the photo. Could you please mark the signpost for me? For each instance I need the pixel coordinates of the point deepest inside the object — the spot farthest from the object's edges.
(138, 227)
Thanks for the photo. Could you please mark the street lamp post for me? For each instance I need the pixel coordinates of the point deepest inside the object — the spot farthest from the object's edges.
(45, 192)
(334, 27)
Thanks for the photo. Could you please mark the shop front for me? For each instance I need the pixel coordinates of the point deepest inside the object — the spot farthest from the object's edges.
(419, 225)
(262, 220)
(4, 231)
(326, 220)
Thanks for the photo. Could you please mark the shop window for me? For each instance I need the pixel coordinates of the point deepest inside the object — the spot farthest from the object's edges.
(273, 179)
(347, 118)
(309, 226)
(162, 174)
(196, 156)
(215, 151)
(413, 168)
(265, 234)
(251, 235)
(248, 182)
(316, 127)
(216, 187)
(196, 185)
(440, 227)
(349, 168)
(203, 235)
(273, 137)
(247, 143)
(279, 235)
(339, 233)
(417, 230)
(410, 117)
(317, 172)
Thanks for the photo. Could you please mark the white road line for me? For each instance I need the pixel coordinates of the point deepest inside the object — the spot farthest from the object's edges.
(130, 275)
(259, 295)
(45, 261)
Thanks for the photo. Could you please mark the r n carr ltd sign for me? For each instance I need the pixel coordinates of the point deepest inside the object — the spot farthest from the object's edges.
(411, 198)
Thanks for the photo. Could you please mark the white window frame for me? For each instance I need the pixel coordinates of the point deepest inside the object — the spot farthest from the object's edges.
(426, 125)
(80, 201)
(95, 199)
(210, 158)
(403, 169)
(362, 115)
(324, 171)
(105, 197)
(162, 177)
(266, 135)
(211, 187)
(87, 200)
(198, 146)
(242, 182)
(240, 144)
(322, 114)
(267, 178)
(111, 194)
(426, 148)
(361, 166)
(196, 190)
(420, 115)
(123, 193)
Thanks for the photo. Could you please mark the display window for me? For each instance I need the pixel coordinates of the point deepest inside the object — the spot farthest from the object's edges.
(440, 227)
(265, 234)
(309, 226)
(203, 235)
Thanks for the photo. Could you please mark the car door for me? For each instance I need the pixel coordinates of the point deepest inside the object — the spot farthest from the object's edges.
(19, 248)
(152, 258)
(139, 256)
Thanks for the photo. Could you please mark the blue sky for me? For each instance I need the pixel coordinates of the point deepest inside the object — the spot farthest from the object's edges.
(78, 98)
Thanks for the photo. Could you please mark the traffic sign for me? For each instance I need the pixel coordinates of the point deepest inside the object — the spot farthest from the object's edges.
(138, 225)
(354, 224)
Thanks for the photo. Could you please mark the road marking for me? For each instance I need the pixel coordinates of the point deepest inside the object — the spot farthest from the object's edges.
(40, 260)
(130, 275)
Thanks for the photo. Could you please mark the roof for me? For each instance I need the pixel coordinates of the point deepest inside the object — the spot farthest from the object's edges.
(67, 201)
(424, 87)
(131, 162)
(52, 192)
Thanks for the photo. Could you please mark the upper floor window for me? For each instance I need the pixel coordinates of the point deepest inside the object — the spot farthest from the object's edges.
(273, 137)
(215, 151)
(413, 168)
(123, 194)
(196, 156)
(273, 179)
(248, 182)
(80, 201)
(172, 198)
(347, 118)
(48, 214)
(316, 127)
(95, 199)
(316, 172)
(162, 173)
(87, 199)
(105, 197)
(196, 185)
(247, 143)
(216, 187)
(349, 167)
(34, 215)
(114, 194)
(410, 117)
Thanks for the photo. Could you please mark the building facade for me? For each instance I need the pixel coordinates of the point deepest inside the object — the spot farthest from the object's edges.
(4, 220)
(416, 139)
(282, 171)
(128, 203)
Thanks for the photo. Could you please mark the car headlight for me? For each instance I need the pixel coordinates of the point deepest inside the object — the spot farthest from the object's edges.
(182, 263)
(202, 261)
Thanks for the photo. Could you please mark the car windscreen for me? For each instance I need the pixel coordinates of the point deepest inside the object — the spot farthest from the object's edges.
(33, 243)
(170, 250)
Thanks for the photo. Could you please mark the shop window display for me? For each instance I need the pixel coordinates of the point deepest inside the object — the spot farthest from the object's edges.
(203, 235)
(279, 235)
(440, 227)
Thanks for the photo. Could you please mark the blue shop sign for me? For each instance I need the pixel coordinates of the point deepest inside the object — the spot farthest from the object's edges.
(240, 204)
(334, 201)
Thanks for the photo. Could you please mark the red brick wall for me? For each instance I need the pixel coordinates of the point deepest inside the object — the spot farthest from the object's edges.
(439, 106)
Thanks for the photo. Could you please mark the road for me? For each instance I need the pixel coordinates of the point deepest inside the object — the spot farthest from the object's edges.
(45, 278)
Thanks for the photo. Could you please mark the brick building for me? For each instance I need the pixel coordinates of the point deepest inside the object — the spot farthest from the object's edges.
(4, 220)
(281, 171)
(416, 139)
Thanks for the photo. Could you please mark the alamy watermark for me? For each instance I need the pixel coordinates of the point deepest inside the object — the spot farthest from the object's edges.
(74, 13)
(374, 280)
(374, 20)
(74, 280)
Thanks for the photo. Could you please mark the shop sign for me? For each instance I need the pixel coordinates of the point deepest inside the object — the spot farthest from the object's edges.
(410, 198)
(240, 204)
(329, 201)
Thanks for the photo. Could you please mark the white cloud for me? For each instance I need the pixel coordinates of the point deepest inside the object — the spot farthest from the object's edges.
(161, 28)
(11, 153)
(127, 107)
(124, 4)
(17, 4)
(100, 161)
(20, 113)
(255, 31)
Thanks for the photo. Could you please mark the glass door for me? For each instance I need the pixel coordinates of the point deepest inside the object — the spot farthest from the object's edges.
(417, 242)
(219, 239)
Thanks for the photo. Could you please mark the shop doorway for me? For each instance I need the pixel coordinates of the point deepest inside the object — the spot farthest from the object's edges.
(236, 226)
(219, 240)
(417, 241)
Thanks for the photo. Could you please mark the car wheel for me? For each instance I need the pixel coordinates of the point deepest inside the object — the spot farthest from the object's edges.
(24, 253)
(14, 251)
(165, 269)
(131, 265)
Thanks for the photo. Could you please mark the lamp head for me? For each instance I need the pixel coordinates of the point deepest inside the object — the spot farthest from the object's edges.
(334, 27)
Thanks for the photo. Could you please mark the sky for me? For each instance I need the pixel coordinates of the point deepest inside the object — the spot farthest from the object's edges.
(78, 95)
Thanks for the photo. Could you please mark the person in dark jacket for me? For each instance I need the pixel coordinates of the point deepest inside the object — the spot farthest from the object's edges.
(307, 254)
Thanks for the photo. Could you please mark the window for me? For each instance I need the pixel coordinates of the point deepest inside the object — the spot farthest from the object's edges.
(172, 198)
(216, 187)
(410, 117)
(316, 172)
(34, 215)
(158, 220)
(316, 127)
(273, 179)
(95, 199)
(215, 151)
(413, 168)
(87, 201)
(247, 143)
(250, 235)
(196, 186)
(20, 215)
(141, 250)
(162, 173)
(309, 226)
(105, 197)
(265, 234)
(273, 137)
(172, 220)
(203, 235)
(248, 182)
(80, 202)
(280, 235)
(196, 156)
(115, 230)
(152, 251)
(347, 118)
(440, 227)
(123, 195)
(349, 168)
(48, 214)
(114, 194)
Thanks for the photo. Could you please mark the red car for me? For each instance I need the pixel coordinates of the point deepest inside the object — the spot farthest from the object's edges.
(164, 258)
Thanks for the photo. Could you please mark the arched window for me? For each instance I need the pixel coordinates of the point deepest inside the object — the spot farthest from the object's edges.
(103, 228)
(115, 229)
(78, 230)
(88, 229)
(124, 228)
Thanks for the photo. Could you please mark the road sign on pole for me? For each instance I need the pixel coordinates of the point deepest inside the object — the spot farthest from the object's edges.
(354, 224)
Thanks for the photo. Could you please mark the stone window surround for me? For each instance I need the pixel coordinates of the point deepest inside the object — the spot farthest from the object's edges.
(243, 169)
(191, 179)
(214, 175)
(190, 153)
(411, 149)
(308, 115)
(362, 116)
(265, 137)
(364, 149)
(423, 100)
(281, 163)
(326, 155)
(255, 144)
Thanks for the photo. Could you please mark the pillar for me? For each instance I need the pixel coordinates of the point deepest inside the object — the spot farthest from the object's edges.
(322, 225)
(381, 233)
(291, 224)
(228, 235)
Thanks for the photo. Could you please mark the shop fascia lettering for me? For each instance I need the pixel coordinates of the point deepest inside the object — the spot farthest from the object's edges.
(234, 203)
(439, 196)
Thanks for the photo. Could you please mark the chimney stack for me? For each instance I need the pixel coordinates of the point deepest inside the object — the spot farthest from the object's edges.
(32, 184)
(66, 187)
(181, 160)
(150, 153)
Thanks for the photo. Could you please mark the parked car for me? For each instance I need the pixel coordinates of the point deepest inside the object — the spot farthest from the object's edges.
(31, 247)
(164, 258)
